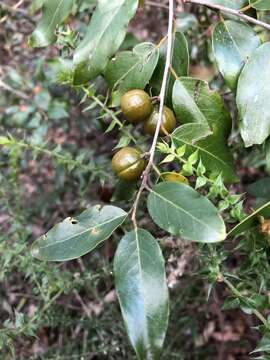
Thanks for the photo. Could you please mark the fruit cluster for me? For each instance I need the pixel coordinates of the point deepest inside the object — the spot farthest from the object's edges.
(136, 106)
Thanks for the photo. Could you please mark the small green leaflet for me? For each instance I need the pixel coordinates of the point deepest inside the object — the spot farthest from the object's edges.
(75, 237)
(142, 292)
(182, 211)
(54, 13)
(105, 34)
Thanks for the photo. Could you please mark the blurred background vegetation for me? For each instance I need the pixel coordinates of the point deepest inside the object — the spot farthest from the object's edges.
(57, 163)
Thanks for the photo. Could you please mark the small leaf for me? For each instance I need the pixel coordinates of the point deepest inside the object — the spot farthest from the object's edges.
(74, 237)
(5, 141)
(179, 63)
(180, 210)
(168, 158)
(251, 221)
(236, 41)
(261, 5)
(260, 188)
(252, 91)
(233, 4)
(131, 69)
(142, 292)
(105, 34)
(54, 13)
(196, 106)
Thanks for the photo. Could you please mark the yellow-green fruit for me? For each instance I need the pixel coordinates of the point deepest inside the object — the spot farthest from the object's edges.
(136, 105)
(176, 177)
(168, 122)
(128, 164)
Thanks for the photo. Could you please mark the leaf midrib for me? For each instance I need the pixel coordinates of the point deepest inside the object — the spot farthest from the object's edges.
(187, 213)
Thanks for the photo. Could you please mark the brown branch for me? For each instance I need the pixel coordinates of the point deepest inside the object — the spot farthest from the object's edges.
(238, 13)
(162, 94)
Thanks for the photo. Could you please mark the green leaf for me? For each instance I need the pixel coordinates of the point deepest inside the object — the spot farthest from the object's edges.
(180, 64)
(131, 69)
(233, 4)
(251, 221)
(236, 41)
(105, 34)
(260, 189)
(252, 94)
(142, 292)
(185, 21)
(260, 4)
(190, 134)
(74, 237)
(54, 13)
(263, 345)
(180, 210)
(195, 103)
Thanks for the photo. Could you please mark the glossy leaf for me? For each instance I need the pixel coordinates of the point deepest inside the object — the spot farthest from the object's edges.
(233, 4)
(189, 134)
(260, 4)
(235, 41)
(106, 32)
(142, 292)
(252, 94)
(182, 211)
(180, 65)
(74, 237)
(54, 13)
(260, 188)
(194, 102)
(251, 220)
(131, 69)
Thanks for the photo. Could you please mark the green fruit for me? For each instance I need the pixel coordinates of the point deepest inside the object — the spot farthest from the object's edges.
(136, 105)
(168, 122)
(128, 164)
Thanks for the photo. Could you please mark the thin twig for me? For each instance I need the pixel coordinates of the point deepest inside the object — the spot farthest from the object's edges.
(238, 13)
(155, 4)
(240, 296)
(14, 91)
(162, 95)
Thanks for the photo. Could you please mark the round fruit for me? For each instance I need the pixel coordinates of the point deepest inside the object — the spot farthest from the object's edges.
(128, 164)
(136, 105)
(168, 122)
(176, 177)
